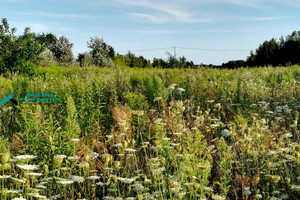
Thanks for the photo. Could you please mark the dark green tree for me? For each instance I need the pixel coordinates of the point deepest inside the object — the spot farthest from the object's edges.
(18, 53)
(85, 59)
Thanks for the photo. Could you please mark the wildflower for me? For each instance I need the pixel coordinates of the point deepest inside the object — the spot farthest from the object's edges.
(92, 171)
(108, 198)
(209, 189)
(181, 89)
(258, 196)
(225, 133)
(296, 187)
(65, 168)
(93, 155)
(177, 133)
(188, 184)
(118, 145)
(129, 150)
(122, 122)
(203, 166)
(182, 194)
(158, 171)
(93, 177)
(75, 140)
(73, 158)
(101, 184)
(78, 179)
(55, 197)
(218, 197)
(145, 143)
(41, 186)
(4, 176)
(138, 187)
(65, 182)
(218, 106)
(109, 136)
(28, 167)
(130, 198)
(23, 158)
(121, 134)
(84, 165)
(38, 196)
(128, 180)
(175, 144)
(214, 125)
(194, 128)
(16, 180)
(262, 102)
(33, 174)
(287, 135)
(172, 86)
(138, 112)
(247, 191)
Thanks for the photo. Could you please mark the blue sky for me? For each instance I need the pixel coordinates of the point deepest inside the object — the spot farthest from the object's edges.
(144, 24)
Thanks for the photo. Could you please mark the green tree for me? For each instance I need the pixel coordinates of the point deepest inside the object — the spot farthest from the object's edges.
(18, 53)
(101, 52)
(62, 51)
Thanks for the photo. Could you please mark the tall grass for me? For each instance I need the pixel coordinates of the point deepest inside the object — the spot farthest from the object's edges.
(152, 134)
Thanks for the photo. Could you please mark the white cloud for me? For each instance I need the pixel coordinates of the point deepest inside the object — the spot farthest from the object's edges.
(159, 12)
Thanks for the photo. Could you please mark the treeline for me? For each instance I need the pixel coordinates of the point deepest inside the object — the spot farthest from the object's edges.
(282, 52)
(22, 53)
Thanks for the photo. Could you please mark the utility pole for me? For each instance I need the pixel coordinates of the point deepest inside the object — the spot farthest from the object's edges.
(174, 52)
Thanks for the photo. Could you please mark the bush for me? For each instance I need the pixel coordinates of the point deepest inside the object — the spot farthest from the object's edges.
(85, 59)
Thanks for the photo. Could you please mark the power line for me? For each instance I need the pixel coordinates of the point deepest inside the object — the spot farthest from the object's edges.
(199, 49)
(186, 48)
(142, 50)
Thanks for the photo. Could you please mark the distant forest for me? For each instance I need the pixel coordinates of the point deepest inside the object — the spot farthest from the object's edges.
(282, 52)
(24, 52)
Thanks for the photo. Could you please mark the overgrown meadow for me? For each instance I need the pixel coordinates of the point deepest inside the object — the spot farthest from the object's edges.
(120, 133)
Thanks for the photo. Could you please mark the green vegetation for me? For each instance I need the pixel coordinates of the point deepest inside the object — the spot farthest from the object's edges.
(21, 54)
(124, 133)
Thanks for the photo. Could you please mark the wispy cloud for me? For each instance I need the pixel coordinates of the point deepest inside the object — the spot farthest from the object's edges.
(192, 11)
(55, 15)
(178, 32)
(39, 28)
(265, 18)
(159, 12)
(35, 27)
